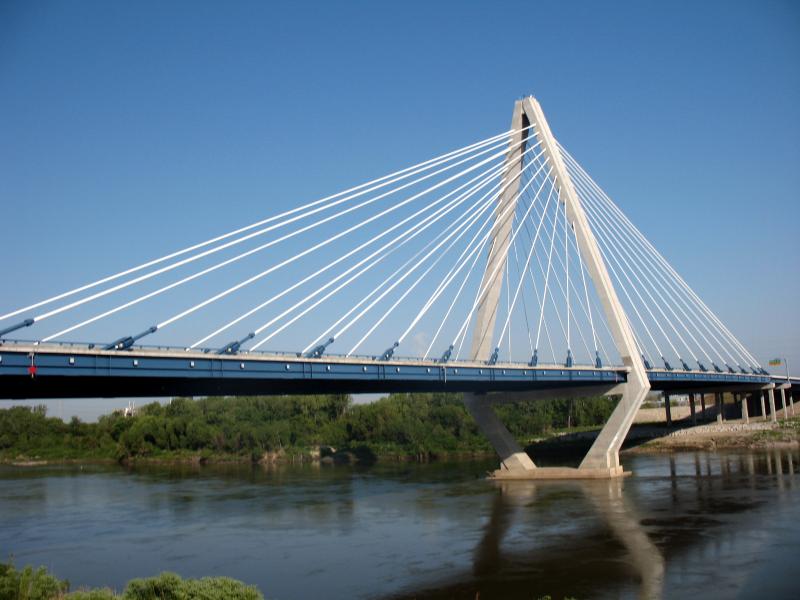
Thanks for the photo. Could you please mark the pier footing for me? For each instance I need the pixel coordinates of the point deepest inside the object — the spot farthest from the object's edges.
(558, 473)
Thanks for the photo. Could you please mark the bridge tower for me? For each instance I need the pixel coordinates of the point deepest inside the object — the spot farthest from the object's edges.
(529, 122)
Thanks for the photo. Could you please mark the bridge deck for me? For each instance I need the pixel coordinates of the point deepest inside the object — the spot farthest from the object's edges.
(57, 371)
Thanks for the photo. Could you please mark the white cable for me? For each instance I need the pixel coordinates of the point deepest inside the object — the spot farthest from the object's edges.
(426, 164)
(585, 289)
(586, 308)
(492, 275)
(386, 281)
(608, 254)
(391, 247)
(457, 295)
(650, 253)
(569, 283)
(527, 262)
(665, 264)
(419, 279)
(460, 230)
(271, 243)
(566, 276)
(561, 286)
(546, 283)
(493, 172)
(249, 252)
(521, 275)
(660, 276)
(624, 246)
(460, 262)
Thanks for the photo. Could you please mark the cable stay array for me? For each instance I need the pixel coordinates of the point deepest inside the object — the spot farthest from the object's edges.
(399, 265)
(673, 327)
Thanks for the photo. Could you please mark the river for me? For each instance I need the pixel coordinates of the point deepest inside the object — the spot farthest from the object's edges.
(722, 525)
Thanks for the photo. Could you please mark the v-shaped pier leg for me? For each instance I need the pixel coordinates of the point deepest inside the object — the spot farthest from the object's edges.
(602, 460)
(512, 456)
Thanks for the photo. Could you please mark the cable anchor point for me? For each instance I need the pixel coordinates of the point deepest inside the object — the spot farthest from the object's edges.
(447, 353)
(25, 323)
(233, 347)
(319, 350)
(389, 352)
(126, 342)
(493, 358)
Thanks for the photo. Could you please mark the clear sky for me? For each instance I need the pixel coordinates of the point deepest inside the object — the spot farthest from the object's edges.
(131, 129)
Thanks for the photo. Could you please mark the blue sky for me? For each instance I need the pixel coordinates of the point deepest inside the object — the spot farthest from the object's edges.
(128, 130)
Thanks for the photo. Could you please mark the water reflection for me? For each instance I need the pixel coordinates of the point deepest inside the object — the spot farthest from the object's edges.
(721, 523)
(672, 528)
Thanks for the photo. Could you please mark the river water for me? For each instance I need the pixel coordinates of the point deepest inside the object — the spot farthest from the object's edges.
(721, 525)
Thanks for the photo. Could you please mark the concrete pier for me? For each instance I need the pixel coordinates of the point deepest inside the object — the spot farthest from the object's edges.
(773, 414)
(667, 409)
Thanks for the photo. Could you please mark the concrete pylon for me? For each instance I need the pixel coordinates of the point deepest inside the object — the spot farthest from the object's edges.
(512, 456)
(603, 456)
(492, 280)
(604, 453)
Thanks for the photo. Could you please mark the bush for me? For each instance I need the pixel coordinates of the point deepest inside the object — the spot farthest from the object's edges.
(29, 584)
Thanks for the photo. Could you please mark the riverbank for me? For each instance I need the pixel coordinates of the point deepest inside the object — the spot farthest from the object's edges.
(644, 438)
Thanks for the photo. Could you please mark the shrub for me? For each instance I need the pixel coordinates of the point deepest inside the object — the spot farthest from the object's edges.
(29, 584)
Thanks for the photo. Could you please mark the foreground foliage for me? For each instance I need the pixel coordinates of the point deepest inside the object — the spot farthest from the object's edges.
(418, 425)
(38, 584)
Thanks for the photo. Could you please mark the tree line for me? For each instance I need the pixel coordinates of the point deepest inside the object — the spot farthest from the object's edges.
(246, 427)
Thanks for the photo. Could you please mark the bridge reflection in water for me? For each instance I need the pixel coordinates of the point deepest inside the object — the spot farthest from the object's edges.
(659, 534)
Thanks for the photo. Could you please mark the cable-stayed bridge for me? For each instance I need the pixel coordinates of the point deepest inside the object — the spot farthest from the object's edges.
(500, 269)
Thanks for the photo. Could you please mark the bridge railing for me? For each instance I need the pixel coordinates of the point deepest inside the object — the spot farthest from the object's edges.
(82, 345)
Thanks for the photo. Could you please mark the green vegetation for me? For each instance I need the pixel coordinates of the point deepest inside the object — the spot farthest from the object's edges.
(30, 584)
(270, 427)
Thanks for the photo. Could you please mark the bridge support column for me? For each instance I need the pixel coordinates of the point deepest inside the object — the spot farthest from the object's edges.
(703, 405)
(718, 402)
(604, 453)
(693, 409)
(602, 460)
(773, 414)
(791, 401)
(512, 457)
(783, 404)
(667, 409)
(745, 409)
(763, 407)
